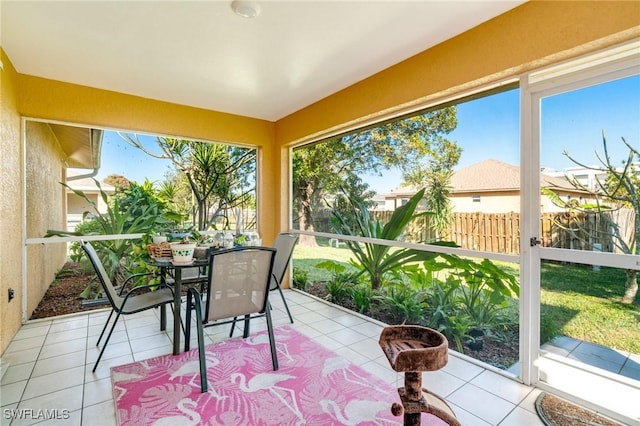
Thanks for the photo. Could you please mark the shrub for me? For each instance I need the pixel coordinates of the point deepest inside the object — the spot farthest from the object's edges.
(361, 296)
(405, 303)
(300, 278)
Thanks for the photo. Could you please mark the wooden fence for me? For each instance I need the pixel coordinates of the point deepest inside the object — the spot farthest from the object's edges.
(500, 232)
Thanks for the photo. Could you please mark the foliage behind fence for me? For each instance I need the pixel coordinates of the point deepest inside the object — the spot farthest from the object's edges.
(500, 232)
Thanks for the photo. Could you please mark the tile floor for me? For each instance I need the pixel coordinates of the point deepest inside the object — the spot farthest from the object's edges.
(47, 366)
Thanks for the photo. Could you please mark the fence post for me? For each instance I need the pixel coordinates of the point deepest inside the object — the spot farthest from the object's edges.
(597, 247)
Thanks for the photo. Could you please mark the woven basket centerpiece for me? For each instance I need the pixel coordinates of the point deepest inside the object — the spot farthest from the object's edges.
(159, 250)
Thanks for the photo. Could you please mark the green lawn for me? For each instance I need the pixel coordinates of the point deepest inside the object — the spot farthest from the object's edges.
(578, 301)
(585, 304)
(305, 258)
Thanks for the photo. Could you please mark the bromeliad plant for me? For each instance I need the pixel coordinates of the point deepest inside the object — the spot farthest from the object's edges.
(376, 259)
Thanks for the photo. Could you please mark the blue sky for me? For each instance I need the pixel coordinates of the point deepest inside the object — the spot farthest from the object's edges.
(487, 128)
(118, 157)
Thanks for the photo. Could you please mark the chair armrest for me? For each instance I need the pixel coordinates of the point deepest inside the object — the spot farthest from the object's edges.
(129, 278)
(137, 289)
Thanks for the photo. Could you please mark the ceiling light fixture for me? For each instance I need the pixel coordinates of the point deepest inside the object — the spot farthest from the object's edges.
(246, 9)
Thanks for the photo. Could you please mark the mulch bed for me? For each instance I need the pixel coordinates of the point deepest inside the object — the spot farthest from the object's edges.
(554, 411)
(62, 296)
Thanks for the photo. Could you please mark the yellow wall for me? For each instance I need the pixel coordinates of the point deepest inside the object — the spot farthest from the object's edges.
(10, 204)
(45, 209)
(527, 37)
(530, 36)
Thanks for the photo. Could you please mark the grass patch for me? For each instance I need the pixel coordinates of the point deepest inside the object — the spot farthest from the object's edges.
(306, 258)
(585, 304)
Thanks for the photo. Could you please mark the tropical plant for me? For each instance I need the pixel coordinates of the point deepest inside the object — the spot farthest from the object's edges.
(376, 259)
(131, 212)
(341, 281)
(484, 289)
(300, 278)
(361, 296)
(405, 303)
(456, 328)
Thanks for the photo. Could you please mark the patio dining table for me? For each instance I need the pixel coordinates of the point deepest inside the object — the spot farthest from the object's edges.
(175, 270)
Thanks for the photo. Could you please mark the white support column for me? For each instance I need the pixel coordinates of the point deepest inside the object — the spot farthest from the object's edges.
(529, 228)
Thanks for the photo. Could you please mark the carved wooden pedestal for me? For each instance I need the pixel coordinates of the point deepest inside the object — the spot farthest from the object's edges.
(412, 350)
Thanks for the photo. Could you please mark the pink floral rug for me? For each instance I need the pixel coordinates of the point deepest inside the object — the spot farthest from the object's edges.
(313, 386)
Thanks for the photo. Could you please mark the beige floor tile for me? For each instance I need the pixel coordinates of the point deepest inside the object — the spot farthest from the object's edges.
(104, 369)
(57, 349)
(466, 418)
(461, 368)
(351, 355)
(159, 351)
(501, 386)
(349, 321)
(521, 417)
(69, 324)
(57, 363)
(24, 344)
(310, 317)
(368, 348)
(62, 401)
(12, 392)
(105, 411)
(16, 373)
(327, 326)
(441, 382)
(62, 373)
(21, 357)
(53, 382)
(26, 332)
(97, 391)
(65, 336)
(150, 342)
(347, 336)
(74, 419)
(328, 342)
(482, 404)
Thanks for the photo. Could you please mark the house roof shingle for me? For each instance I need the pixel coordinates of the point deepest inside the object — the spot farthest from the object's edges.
(491, 176)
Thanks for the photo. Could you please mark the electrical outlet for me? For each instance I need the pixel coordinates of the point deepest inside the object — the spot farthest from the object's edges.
(12, 294)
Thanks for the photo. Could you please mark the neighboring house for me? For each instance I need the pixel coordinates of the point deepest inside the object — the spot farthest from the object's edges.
(76, 205)
(380, 202)
(491, 186)
(587, 176)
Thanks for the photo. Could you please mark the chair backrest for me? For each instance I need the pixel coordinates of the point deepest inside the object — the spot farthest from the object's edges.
(284, 245)
(103, 277)
(238, 282)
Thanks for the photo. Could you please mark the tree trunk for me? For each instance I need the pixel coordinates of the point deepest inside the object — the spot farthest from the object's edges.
(306, 224)
(376, 281)
(631, 289)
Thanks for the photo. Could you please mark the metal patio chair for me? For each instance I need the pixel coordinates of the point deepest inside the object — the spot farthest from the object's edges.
(238, 285)
(127, 303)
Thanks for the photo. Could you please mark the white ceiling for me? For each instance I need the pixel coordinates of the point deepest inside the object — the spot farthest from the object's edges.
(199, 53)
